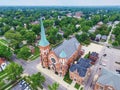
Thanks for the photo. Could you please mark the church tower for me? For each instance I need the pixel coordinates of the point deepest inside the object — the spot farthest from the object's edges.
(44, 47)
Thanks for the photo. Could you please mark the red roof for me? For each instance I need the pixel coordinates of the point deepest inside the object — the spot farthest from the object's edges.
(2, 60)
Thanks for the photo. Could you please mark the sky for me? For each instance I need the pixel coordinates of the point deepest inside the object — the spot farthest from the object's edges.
(59, 2)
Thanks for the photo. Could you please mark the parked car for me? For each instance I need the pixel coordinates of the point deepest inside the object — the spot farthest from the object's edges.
(27, 88)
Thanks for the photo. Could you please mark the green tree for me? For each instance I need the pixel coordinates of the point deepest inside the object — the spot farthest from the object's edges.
(14, 71)
(5, 51)
(30, 36)
(36, 29)
(24, 53)
(83, 38)
(14, 37)
(37, 80)
(54, 86)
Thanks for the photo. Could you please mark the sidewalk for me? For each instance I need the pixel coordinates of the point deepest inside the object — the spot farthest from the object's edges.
(55, 77)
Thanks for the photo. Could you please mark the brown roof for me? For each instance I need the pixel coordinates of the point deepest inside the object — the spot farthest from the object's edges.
(2, 60)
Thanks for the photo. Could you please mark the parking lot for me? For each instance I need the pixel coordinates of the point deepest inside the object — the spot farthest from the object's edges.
(112, 56)
(22, 85)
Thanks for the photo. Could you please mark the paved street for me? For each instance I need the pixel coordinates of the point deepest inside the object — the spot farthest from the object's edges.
(30, 68)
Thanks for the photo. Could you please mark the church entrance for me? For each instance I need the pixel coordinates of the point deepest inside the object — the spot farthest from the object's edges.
(52, 67)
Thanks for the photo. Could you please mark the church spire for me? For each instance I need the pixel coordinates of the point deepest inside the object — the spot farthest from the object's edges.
(43, 42)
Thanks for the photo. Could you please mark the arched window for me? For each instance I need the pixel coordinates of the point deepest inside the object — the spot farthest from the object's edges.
(53, 60)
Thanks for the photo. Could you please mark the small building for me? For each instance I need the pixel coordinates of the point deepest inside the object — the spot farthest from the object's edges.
(93, 56)
(98, 37)
(80, 71)
(104, 37)
(2, 64)
(32, 49)
(100, 23)
(107, 80)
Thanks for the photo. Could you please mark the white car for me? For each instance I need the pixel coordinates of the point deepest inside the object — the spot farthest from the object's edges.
(27, 88)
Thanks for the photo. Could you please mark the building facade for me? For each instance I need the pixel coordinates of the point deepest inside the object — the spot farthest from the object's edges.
(80, 71)
(58, 59)
(107, 80)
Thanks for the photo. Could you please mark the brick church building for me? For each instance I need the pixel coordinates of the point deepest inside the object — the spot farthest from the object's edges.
(60, 58)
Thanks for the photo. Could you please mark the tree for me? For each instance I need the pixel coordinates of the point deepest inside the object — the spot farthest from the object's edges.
(37, 80)
(5, 51)
(36, 29)
(54, 86)
(14, 37)
(24, 53)
(83, 38)
(14, 71)
(30, 36)
(95, 19)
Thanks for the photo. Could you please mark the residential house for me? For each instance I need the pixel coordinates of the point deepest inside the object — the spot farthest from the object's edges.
(3, 64)
(98, 37)
(104, 37)
(93, 57)
(80, 71)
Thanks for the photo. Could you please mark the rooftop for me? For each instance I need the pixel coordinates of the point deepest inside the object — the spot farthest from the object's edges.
(109, 78)
(2, 60)
(81, 66)
(69, 47)
(94, 54)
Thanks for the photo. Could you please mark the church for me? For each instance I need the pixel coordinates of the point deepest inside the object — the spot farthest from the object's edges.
(60, 58)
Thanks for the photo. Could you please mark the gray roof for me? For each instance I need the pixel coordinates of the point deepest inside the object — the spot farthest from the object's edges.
(81, 66)
(94, 54)
(109, 78)
(104, 37)
(69, 47)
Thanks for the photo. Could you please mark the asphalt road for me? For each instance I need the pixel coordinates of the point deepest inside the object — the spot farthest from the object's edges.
(30, 68)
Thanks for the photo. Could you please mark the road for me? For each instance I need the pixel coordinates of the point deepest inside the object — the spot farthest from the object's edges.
(30, 68)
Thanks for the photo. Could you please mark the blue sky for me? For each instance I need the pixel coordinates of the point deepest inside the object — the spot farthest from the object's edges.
(59, 2)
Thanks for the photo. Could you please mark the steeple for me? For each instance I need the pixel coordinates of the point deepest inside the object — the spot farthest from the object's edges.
(43, 42)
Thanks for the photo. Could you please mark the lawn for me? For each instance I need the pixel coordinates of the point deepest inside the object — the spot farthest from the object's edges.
(3, 41)
(77, 86)
(67, 78)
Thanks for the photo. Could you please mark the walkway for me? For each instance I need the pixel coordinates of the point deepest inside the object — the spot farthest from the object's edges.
(55, 77)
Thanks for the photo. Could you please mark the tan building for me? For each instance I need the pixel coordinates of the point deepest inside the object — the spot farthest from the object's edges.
(80, 71)
(58, 59)
(107, 80)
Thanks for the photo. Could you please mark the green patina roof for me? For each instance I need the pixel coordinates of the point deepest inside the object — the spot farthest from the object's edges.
(43, 41)
(62, 54)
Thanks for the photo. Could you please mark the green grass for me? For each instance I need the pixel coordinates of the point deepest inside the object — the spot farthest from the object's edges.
(77, 86)
(3, 41)
(2, 72)
(67, 78)
(81, 88)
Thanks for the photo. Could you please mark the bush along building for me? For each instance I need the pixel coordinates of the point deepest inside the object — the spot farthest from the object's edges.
(60, 58)
(107, 80)
(80, 71)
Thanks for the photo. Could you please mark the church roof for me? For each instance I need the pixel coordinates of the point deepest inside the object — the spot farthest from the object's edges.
(109, 78)
(43, 41)
(69, 47)
(62, 54)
